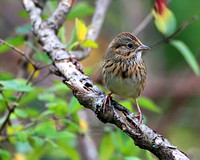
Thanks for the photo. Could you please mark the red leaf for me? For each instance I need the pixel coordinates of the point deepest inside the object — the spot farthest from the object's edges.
(160, 6)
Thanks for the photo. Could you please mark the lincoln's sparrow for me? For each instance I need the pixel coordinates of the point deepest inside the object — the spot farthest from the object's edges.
(124, 69)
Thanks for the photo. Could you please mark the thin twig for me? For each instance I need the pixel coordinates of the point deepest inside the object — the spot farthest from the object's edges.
(143, 24)
(44, 66)
(167, 39)
(98, 18)
(18, 51)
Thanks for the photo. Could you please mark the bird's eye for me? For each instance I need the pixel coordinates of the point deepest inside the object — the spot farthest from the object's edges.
(130, 45)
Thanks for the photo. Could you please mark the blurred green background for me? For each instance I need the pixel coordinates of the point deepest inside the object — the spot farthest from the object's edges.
(61, 129)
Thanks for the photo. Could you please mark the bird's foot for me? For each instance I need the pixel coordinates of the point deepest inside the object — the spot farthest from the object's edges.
(108, 99)
(139, 117)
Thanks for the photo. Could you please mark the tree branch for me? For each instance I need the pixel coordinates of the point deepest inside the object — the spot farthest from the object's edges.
(91, 97)
(60, 14)
(143, 24)
(18, 51)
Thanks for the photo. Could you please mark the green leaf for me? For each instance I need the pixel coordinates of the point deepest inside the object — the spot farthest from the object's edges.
(59, 87)
(46, 97)
(5, 76)
(52, 142)
(72, 125)
(31, 96)
(21, 113)
(10, 130)
(15, 85)
(123, 143)
(74, 106)
(148, 104)
(149, 156)
(37, 153)
(8, 96)
(47, 130)
(58, 107)
(106, 149)
(73, 45)
(23, 14)
(1, 97)
(81, 9)
(43, 115)
(37, 51)
(73, 39)
(52, 5)
(61, 34)
(24, 29)
(19, 128)
(15, 41)
(71, 152)
(52, 104)
(22, 136)
(4, 155)
(89, 43)
(117, 140)
(127, 104)
(22, 148)
(42, 57)
(36, 141)
(187, 54)
(32, 112)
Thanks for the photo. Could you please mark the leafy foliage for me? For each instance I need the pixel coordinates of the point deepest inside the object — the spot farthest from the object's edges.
(117, 145)
(43, 110)
(79, 37)
(187, 54)
(5, 155)
(81, 9)
(15, 85)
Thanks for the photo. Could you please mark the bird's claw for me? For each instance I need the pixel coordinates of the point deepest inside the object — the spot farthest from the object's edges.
(108, 99)
(139, 117)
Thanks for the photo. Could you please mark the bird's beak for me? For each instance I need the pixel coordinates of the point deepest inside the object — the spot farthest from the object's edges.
(143, 47)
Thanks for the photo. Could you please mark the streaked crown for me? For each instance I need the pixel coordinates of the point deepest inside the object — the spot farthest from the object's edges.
(125, 46)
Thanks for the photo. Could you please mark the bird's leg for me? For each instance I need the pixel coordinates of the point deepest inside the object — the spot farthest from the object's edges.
(139, 116)
(107, 98)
